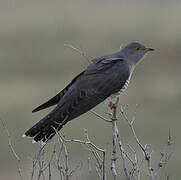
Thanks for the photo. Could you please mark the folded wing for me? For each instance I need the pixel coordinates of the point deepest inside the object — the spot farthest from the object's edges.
(53, 101)
(101, 79)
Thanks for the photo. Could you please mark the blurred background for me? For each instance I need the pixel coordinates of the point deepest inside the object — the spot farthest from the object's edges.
(35, 65)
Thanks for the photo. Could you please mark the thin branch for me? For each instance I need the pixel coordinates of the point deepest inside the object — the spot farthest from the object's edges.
(49, 172)
(144, 149)
(104, 166)
(114, 139)
(117, 138)
(66, 164)
(57, 157)
(135, 164)
(37, 160)
(75, 169)
(101, 117)
(164, 155)
(89, 165)
(18, 160)
(51, 158)
(87, 142)
(80, 51)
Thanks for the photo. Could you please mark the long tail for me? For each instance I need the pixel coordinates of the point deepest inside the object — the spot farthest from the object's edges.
(46, 128)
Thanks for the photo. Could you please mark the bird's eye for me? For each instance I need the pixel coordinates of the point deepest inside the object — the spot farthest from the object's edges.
(137, 48)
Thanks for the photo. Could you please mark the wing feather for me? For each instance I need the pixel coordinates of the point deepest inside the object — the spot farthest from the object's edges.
(56, 99)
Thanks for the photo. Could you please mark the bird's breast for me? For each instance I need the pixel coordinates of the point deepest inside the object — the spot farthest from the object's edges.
(125, 86)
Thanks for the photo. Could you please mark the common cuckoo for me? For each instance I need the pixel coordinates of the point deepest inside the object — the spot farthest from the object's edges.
(105, 76)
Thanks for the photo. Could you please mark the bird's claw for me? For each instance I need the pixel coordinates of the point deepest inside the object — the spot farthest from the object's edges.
(111, 104)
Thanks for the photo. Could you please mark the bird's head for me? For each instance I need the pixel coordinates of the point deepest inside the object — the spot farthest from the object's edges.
(135, 51)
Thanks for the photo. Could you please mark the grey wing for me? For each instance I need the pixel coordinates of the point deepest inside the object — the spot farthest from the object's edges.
(99, 81)
(53, 101)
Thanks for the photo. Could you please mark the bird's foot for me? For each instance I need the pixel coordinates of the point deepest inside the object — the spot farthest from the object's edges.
(111, 104)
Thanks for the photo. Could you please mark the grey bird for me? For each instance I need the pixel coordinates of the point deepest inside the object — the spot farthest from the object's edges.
(105, 76)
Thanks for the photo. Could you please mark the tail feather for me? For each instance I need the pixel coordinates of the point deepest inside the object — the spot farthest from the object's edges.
(66, 110)
(39, 136)
(45, 129)
(39, 132)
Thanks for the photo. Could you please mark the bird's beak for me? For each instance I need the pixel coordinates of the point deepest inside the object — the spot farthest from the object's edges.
(148, 49)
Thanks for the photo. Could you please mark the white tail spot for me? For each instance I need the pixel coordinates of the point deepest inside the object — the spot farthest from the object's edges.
(33, 141)
(42, 143)
(23, 136)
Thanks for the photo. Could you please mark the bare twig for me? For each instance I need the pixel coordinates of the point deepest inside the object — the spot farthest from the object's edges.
(51, 158)
(36, 160)
(75, 169)
(114, 139)
(79, 50)
(66, 164)
(117, 138)
(15, 155)
(124, 155)
(89, 165)
(135, 163)
(101, 117)
(59, 167)
(104, 166)
(164, 155)
(49, 172)
(144, 149)
(87, 142)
